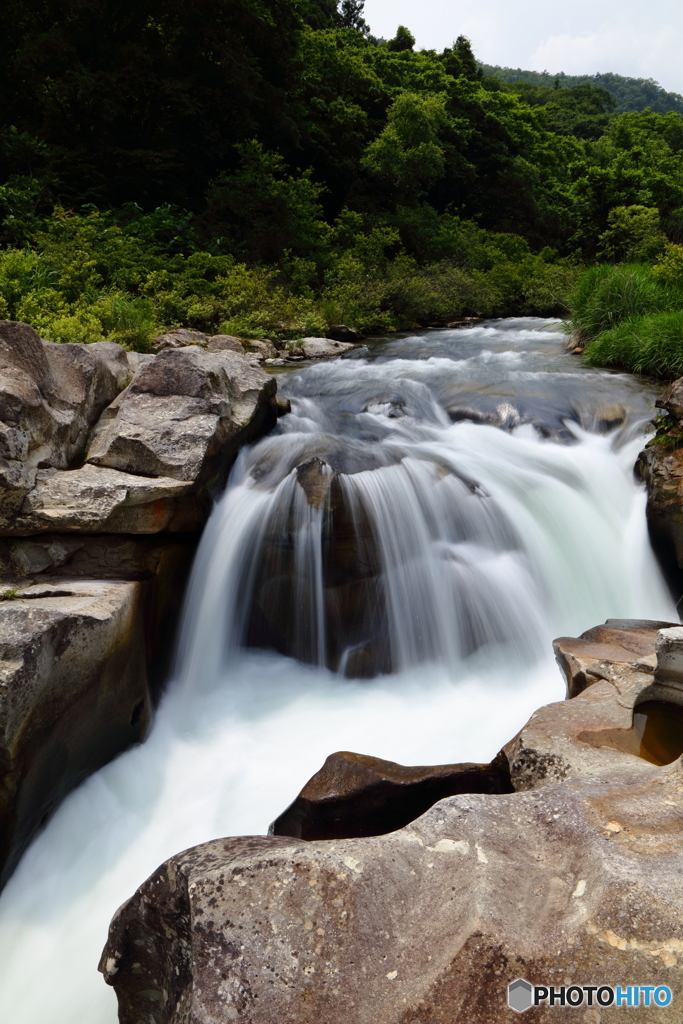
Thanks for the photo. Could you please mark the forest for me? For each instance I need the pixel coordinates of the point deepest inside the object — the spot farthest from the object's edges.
(269, 168)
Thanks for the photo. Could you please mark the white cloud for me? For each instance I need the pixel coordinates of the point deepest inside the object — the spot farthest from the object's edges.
(581, 37)
(655, 55)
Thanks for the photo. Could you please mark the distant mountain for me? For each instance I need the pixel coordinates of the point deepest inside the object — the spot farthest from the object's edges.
(628, 93)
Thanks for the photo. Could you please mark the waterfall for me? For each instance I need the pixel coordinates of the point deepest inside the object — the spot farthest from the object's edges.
(384, 573)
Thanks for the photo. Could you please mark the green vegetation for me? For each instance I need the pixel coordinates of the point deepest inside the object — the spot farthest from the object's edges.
(628, 94)
(267, 167)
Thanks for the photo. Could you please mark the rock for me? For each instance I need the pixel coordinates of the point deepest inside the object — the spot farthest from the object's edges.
(354, 795)
(340, 332)
(184, 416)
(671, 400)
(661, 468)
(73, 695)
(160, 562)
(50, 397)
(613, 651)
(225, 342)
(98, 500)
(323, 348)
(261, 349)
(136, 360)
(576, 883)
(181, 337)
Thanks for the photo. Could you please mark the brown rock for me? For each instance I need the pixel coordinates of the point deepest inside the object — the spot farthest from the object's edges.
(354, 795)
(671, 400)
(73, 694)
(613, 651)
(340, 332)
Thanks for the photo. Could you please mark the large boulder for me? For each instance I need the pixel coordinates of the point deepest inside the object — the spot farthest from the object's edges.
(573, 879)
(184, 415)
(73, 694)
(50, 398)
(574, 884)
(324, 348)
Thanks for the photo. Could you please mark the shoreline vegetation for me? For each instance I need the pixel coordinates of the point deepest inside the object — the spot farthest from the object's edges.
(285, 181)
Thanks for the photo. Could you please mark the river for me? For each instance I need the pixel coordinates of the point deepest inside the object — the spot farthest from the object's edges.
(385, 573)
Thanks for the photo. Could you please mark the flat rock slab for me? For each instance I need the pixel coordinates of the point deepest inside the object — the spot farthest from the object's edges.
(612, 651)
(576, 883)
(354, 795)
(73, 694)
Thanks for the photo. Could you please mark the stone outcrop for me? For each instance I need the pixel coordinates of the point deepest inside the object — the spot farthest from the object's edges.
(50, 398)
(613, 651)
(73, 694)
(660, 466)
(108, 466)
(355, 795)
(572, 878)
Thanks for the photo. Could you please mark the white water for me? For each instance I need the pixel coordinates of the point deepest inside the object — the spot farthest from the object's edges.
(552, 540)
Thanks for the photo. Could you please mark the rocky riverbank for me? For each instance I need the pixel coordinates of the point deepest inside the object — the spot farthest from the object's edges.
(108, 468)
(570, 874)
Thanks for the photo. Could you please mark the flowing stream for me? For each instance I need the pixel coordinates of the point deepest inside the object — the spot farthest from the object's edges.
(384, 574)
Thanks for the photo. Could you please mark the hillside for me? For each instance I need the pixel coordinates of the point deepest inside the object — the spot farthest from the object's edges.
(630, 94)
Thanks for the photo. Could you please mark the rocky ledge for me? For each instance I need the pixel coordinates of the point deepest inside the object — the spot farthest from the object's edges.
(570, 872)
(108, 465)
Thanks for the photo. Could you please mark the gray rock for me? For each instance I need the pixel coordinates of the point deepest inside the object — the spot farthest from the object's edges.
(577, 883)
(98, 500)
(184, 416)
(50, 397)
(324, 348)
(73, 694)
(181, 337)
(340, 332)
(223, 342)
(671, 400)
(263, 349)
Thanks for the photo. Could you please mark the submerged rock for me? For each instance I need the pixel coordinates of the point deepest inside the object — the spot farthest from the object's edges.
(73, 694)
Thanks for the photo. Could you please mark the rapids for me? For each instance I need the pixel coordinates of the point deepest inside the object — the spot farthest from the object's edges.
(385, 574)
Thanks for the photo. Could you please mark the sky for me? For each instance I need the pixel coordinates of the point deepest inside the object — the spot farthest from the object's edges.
(629, 37)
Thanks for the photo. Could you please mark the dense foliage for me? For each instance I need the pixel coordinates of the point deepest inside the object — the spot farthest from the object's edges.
(268, 167)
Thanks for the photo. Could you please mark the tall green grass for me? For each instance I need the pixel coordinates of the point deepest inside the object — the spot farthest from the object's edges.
(651, 345)
(606, 296)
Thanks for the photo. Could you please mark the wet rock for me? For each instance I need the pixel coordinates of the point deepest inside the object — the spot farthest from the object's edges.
(50, 397)
(595, 735)
(73, 694)
(571, 884)
(323, 348)
(354, 795)
(671, 400)
(613, 651)
(340, 332)
(98, 500)
(184, 416)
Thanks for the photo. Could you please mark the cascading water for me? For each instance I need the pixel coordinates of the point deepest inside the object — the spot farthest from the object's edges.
(384, 574)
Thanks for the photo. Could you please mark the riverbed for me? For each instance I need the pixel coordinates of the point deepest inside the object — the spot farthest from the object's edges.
(385, 573)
